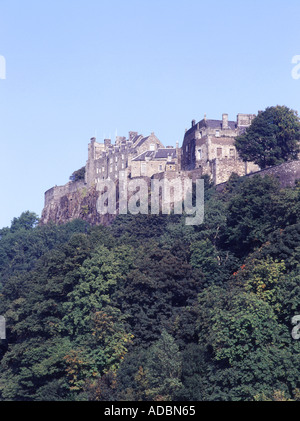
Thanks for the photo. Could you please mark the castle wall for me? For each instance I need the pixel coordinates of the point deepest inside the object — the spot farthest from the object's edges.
(287, 173)
(151, 167)
(57, 192)
(223, 168)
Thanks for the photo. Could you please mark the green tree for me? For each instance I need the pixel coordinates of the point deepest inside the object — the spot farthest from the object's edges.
(27, 221)
(265, 278)
(251, 352)
(160, 286)
(32, 303)
(272, 138)
(195, 374)
(251, 214)
(163, 369)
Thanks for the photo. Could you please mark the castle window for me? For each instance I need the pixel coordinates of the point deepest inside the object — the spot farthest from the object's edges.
(219, 152)
(232, 153)
(110, 170)
(143, 168)
(199, 153)
(160, 168)
(217, 133)
(152, 147)
(116, 158)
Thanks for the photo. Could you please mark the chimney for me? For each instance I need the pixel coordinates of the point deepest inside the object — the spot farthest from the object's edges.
(225, 121)
(193, 123)
(132, 135)
(107, 143)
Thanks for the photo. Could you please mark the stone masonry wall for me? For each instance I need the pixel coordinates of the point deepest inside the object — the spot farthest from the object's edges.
(57, 192)
(287, 173)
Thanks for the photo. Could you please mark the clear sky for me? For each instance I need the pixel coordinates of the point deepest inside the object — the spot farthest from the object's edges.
(80, 68)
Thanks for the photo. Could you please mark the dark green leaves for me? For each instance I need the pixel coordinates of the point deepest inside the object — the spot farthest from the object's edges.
(272, 137)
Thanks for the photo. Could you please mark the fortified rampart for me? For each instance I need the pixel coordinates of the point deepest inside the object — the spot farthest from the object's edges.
(287, 173)
(57, 192)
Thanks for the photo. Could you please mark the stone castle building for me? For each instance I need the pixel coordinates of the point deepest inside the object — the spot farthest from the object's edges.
(209, 145)
(208, 149)
(137, 156)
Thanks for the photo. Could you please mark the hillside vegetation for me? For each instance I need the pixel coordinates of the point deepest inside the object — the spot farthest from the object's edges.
(152, 309)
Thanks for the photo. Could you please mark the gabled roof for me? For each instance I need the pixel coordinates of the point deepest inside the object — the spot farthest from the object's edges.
(161, 153)
(141, 141)
(136, 138)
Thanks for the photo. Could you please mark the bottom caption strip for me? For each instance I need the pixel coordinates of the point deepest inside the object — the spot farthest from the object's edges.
(151, 410)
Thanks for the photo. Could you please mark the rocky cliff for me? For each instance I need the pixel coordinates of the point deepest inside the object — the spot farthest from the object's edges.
(73, 201)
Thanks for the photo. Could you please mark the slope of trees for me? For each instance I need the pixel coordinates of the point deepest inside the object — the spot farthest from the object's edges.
(152, 309)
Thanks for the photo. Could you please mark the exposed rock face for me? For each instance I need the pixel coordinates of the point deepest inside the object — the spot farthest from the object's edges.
(74, 202)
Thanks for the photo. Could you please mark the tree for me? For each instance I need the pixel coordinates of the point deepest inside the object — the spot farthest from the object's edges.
(163, 368)
(264, 278)
(156, 290)
(272, 138)
(33, 368)
(27, 221)
(78, 175)
(251, 214)
(251, 351)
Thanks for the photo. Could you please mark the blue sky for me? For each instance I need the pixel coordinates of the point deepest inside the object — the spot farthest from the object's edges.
(80, 68)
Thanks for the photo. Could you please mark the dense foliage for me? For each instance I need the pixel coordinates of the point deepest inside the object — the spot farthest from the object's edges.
(78, 175)
(152, 309)
(272, 138)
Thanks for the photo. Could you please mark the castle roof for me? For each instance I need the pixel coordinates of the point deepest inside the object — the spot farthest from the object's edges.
(136, 138)
(141, 141)
(218, 124)
(161, 153)
(212, 124)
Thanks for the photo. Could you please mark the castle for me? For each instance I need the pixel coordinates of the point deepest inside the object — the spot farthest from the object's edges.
(208, 149)
(210, 146)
